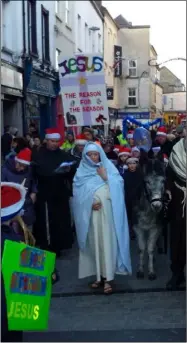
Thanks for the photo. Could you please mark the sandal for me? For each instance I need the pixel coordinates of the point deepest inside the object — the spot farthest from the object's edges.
(108, 288)
(97, 284)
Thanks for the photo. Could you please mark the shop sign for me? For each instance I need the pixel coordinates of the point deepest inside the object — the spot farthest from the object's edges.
(11, 78)
(135, 115)
(41, 85)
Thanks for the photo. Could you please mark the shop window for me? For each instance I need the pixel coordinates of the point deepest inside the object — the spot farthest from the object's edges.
(45, 35)
(32, 31)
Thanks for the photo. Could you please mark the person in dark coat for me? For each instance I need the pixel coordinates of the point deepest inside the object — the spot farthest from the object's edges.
(18, 170)
(52, 229)
(161, 141)
(176, 188)
(10, 195)
(6, 142)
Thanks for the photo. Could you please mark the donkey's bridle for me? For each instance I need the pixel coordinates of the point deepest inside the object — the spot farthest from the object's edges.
(151, 201)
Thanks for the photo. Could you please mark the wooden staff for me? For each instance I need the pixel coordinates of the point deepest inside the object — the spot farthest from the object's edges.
(29, 238)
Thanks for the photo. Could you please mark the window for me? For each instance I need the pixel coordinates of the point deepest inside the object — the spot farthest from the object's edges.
(132, 68)
(132, 97)
(86, 37)
(99, 42)
(67, 13)
(57, 6)
(79, 31)
(57, 57)
(32, 32)
(171, 101)
(45, 35)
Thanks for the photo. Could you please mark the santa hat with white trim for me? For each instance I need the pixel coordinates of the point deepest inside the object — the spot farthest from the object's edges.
(161, 131)
(124, 151)
(165, 157)
(80, 140)
(52, 133)
(117, 148)
(130, 134)
(156, 149)
(135, 148)
(24, 156)
(12, 200)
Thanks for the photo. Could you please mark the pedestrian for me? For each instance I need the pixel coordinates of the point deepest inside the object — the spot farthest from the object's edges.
(135, 152)
(69, 142)
(89, 134)
(29, 140)
(77, 150)
(130, 140)
(52, 229)
(162, 141)
(176, 188)
(6, 142)
(18, 144)
(18, 170)
(100, 219)
(12, 202)
(123, 154)
(37, 145)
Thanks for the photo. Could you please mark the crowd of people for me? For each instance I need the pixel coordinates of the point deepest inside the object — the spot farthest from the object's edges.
(84, 188)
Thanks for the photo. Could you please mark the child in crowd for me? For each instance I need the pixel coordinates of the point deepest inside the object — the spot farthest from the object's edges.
(123, 155)
(135, 152)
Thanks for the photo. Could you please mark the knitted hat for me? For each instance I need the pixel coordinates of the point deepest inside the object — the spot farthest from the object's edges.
(135, 148)
(132, 160)
(12, 200)
(161, 131)
(24, 156)
(52, 134)
(80, 140)
(124, 151)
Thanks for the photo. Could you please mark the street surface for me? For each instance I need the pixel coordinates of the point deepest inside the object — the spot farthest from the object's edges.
(139, 311)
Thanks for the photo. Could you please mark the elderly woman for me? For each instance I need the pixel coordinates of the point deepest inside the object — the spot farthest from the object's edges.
(100, 219)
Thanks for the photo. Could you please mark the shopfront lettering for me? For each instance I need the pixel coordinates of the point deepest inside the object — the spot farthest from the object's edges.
(42, 87)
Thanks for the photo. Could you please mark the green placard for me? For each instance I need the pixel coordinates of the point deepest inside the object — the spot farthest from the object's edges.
(27, 277)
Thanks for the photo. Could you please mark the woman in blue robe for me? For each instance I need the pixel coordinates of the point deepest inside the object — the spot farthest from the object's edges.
(100, 219)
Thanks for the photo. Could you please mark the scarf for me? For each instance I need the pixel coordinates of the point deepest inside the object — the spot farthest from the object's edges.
(177, 160)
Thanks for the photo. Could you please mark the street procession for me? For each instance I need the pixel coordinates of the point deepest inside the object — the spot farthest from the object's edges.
(93, 177)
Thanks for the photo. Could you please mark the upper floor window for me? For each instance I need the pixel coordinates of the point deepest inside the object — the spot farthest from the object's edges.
(45, 35)
(57, 58)
(67, 13)
(132, 68)
(57, 6)
(32, 32)
(132, 97)
(171, 103)
(79, 31)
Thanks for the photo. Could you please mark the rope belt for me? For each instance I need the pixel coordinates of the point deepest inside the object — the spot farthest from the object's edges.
(183, 203)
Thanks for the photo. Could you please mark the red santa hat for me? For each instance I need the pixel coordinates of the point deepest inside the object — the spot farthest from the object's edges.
(130, 134)
(24, 156)
(117, 148)
(124, 151)
(161, 131)
(80, 139)
(165, 157)
(52, 134)
(135, 148)
(12, 200)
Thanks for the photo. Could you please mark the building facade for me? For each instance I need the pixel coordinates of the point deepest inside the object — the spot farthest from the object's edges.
(40, 76)
(88, 24)
(170, 82)
(156, 89)
(174, 106)
(11, 65)
(110, 42)
(134, 95)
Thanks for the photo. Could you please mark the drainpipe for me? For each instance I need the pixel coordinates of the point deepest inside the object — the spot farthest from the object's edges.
(23, 64)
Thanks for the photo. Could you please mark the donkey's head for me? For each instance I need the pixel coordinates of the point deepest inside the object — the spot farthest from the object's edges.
(154, 183)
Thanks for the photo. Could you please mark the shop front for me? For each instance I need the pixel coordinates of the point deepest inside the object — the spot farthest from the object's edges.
(40, 103)
(11, 98)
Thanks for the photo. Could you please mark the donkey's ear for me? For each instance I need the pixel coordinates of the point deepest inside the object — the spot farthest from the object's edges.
(143, 158)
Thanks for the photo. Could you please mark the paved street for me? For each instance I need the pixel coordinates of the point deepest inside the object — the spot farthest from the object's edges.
(140, 310)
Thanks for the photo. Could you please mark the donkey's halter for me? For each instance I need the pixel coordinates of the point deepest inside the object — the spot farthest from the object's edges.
(151, 201)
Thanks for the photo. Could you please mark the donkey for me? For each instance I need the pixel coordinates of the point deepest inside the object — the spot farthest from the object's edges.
(147, 213)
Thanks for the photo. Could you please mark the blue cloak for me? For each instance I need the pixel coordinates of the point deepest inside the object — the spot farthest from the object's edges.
(86, 182)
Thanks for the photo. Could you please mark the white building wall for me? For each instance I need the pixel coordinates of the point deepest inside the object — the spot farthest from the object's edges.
(174, 102)
(85, 18)
(65, 27)
(11, 31)
(135, 46)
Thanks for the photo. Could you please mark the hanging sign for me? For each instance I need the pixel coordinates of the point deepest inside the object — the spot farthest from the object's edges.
(117, 60)
(110, 93)
(83, 90)
(27, 277)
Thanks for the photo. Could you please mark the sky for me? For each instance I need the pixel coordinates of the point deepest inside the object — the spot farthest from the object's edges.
(168, 27)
